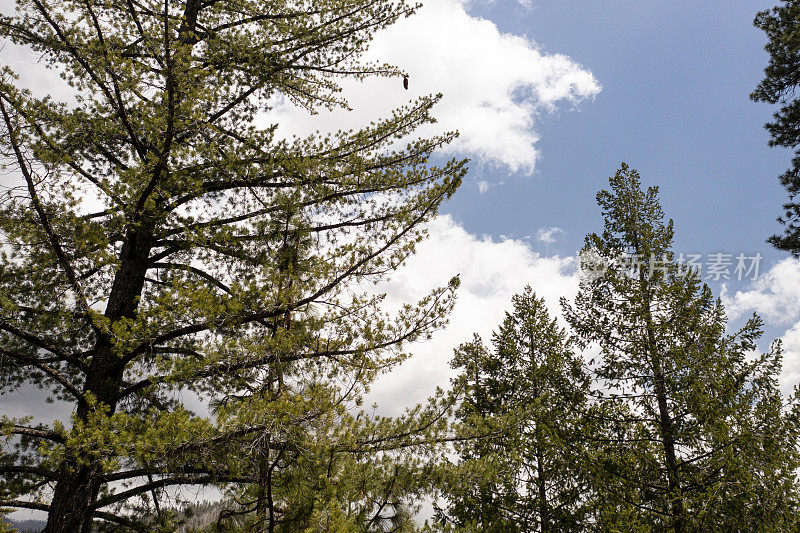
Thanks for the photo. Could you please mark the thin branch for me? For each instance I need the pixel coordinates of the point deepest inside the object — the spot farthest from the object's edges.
(47, 369)
(44, 345)
(36, 432)
(45, 221)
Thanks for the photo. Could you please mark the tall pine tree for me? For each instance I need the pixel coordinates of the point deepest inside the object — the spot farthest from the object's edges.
(523, 401)
(161, 240)
(697, 434)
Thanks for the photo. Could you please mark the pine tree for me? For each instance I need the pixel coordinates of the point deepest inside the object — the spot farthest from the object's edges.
(779, 86)
(161, 241)
(697, 435)
(524, 400)
(480, 488)
(329, 469)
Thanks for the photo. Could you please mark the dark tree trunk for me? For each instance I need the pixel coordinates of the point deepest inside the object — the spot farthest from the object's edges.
(75, 491)
(665, 425)
(541, 478)
(668, 441)
(263, 522)
(80, 477)
(544, 514)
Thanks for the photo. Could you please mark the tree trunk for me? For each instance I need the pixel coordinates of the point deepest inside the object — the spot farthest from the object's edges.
(75, 491)
(541, 480)
(665, 424)
(544, 514)
(81, 477)
(668, 441)
(263, 521)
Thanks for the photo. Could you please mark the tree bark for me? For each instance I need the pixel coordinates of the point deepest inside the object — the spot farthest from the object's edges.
(80, 477)
(668, 441)
(544, 514)
(665, 423)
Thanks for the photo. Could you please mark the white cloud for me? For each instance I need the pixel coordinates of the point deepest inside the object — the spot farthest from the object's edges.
(548, 235)
(775, 294)
(483, 186)
(494, 85)
(790, 377)
(491, 273)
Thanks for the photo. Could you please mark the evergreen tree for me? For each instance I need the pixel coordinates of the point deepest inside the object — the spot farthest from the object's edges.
(161, 241)
(329, 469)
(524, 401)
(697, 435)
(779, 86)
(481, 488)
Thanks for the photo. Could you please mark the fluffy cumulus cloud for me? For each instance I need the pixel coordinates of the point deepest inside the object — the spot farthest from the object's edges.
(491, 272)
(494, 85)
(775, 295)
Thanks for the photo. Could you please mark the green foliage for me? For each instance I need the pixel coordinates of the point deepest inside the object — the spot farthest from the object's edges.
(5, 527)
(328, 470)
(163, 244)
(521, 467)
(696, 436)
(779, 86)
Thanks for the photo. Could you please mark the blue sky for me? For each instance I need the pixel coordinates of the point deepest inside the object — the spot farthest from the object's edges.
(674, 104)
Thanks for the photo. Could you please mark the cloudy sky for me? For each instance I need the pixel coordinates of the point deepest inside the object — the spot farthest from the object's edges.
(549, 98)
